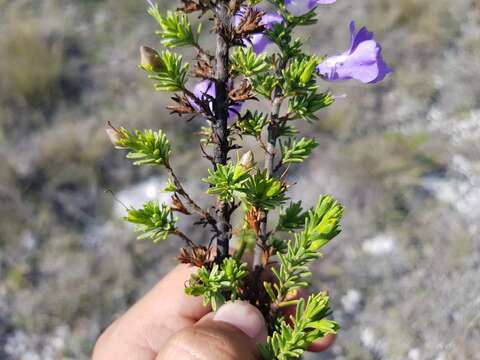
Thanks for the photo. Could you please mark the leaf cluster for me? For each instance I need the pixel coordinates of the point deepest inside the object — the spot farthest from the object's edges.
(226, 180)
(221, 282)
(294, 151)
(263, 191)
(176, 30)
(321, 225)
(172, 74)
(252, 123)
(244, 61)
(290, 341)
(292, 217)
(154, 221)
(146, 147)
(305, 106)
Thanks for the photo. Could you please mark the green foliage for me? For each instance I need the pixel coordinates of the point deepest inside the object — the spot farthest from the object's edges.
(226, 180)
(263, 192)
(297, 151)
(146, 148)
(154, 221)
(176, 30)
(172, 74)
(286, 130)
(321, 225)
(290, 341)
(252, 123)
(244, 61)
(264, 84)
(219, 283)
(305, 106)
(298, 76)
(323, 222)
(170, 186)
(292, 217)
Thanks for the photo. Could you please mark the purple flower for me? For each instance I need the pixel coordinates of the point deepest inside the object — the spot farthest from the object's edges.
(205, 90)
(363, 61)
(301, 7)
(260, 41)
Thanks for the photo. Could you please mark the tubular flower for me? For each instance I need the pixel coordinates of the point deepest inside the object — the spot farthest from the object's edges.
(205, 90)
(363, 61)
(301, 7)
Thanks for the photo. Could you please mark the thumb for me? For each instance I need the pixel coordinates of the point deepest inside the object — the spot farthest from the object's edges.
(229, 334)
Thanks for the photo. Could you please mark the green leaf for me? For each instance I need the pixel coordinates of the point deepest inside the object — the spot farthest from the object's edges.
(252, 123)
(264, 84)
(290, 341)
(170, 186)
(244, 61)
(287, 130)
(154, 221)
(323, 222)
(222, 282)
(263, 192)
(298, 76)
(176, 30)
(226, 180)
(292, 217)
(305, 106)
(297, 151)
(172, 74)
(146, 148)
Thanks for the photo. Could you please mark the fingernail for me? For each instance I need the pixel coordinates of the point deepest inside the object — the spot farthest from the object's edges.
(244, 317)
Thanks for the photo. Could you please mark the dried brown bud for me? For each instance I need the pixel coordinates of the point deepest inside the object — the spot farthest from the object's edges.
(113, 133)
(199, 256)
(178, 206)
(247, 160)
(243, 93)
(190, 6)
(182, 106)
(150, 59)
(250, 22)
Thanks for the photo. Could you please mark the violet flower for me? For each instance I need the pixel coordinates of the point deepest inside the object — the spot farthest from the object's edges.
(301, 7)
(363, 61)
(205, 90)
(261, 41)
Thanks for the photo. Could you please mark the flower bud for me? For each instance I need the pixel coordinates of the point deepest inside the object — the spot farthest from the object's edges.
(150, 59)
(113, 133)
(247, 160)
(308, 72)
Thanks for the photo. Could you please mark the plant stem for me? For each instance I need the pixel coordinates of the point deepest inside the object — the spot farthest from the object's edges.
(219, 126)
(272, 135)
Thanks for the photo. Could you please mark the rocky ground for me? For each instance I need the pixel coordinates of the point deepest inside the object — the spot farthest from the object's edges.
(403, 157)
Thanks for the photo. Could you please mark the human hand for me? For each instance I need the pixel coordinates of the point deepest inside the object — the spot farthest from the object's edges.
(168, 324)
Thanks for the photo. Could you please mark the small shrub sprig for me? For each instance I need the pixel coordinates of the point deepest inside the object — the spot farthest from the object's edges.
(219, 86)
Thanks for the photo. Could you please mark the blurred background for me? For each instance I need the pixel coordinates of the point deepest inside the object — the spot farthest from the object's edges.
(403, 156)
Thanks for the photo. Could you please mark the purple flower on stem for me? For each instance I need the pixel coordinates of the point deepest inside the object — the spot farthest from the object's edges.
(301, 7)
(363, 61)
(205, 90)
(261, 41)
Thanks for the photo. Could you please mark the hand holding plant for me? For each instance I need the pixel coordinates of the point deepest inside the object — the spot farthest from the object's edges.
(218, 88)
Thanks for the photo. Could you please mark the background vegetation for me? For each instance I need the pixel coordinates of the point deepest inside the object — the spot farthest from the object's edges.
(402, 156)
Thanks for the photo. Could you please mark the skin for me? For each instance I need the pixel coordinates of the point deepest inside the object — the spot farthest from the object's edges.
(168, 324)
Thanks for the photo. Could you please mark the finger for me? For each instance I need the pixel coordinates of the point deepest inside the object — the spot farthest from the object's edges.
(229, 334)
(145, 327)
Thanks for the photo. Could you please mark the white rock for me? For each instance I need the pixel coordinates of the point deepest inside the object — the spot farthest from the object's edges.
(379, 245)
(351, 300)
